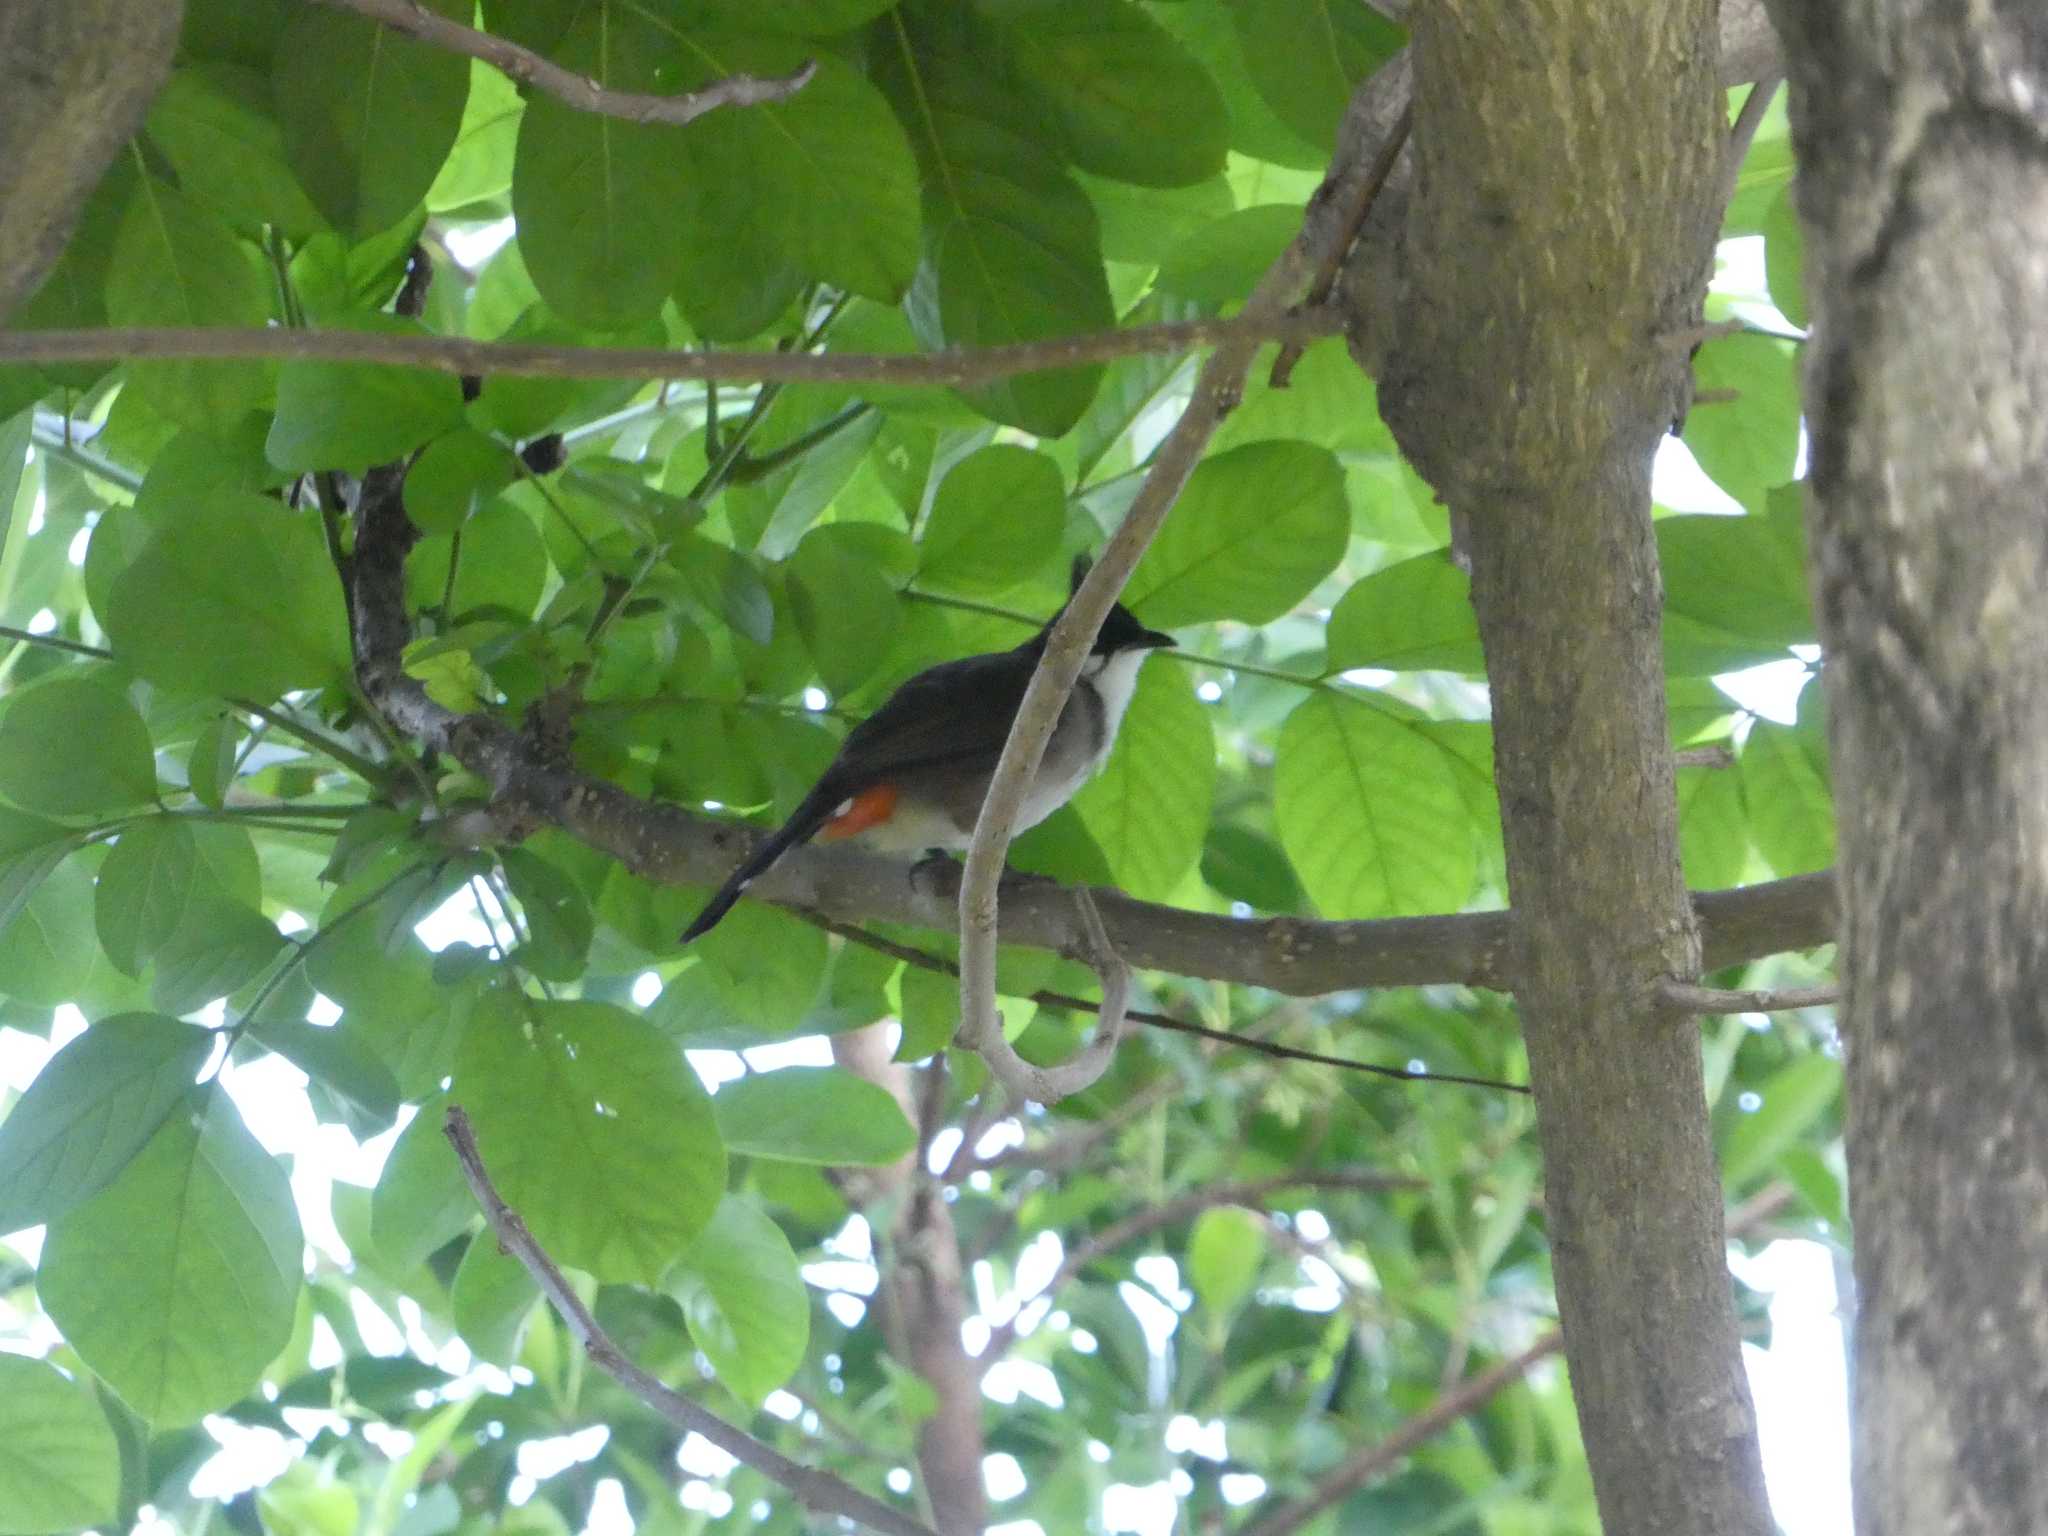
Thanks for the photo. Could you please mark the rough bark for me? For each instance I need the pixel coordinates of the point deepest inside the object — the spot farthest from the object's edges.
(76, 77)
(1922, 136)
(1562, 217)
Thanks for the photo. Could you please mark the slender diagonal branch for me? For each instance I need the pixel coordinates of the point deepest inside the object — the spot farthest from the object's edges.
(814, 1488)
(1692, 999)
(954, 367)
(1333, 215)
(579, 91)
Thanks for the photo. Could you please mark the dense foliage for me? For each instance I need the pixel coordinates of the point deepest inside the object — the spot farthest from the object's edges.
(217, 857)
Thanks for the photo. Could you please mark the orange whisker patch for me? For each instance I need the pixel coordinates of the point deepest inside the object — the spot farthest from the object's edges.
(869, 808)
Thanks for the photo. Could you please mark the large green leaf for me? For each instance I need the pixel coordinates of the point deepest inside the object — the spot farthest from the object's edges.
(1306, 57)
(603, 204)
(845, 607)
(1370, 812)
(73, 744)
(1713, 827)
(219, 946)
(350, 416)
(763, 968)
(1225, 1250)
(813, 1115)
(744, 1299)
(174, 263)
(1220, 262)
(823, 182)
(45, 951)
(492, 1297)
(1747, 444)
(594, 1129)
(1012, 249)
(60, 1466)
(420, 1201)
(214, 124)
(368, 114)
(1792, 1102)
(90, 1110)
(1148, 808)
(179, 1281)
(1253, 533)
(143, 889)
(995, 522)
(1734, 587)
(267, 620)
(1111, 76)
(1785, 776)
(1412, 616)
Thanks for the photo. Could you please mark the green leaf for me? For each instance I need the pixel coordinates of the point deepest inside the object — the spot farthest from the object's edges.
(1253, 533)
(60, 1466)
(352, 415)
(173, 263)
(1794, 1099)
(594, 195)
(339, 1060)
(844, 605)
(72, 745)
(1141, 224)
(1149, 806)
(178, 1282)
(1785, 257)
(210, 766)
(1111, 76)
(44, 958)
(557, 913)
(813, 1115)
(823, 182)
(368, 114)
(143, 889)
(744, 1299)
(594, 1129)
(90, 1110)
(1412, 616)
(1220, 262)
(268, 620)
(213, 123)
(1748, 444)
(1249, 867)
(995, 522)
(1307, 56)
(1012, 251)
(1713, 828)
(764, 967)
(492, 1298)
(1225, 1250)
(1791, 808)
(1370, 812)
(1734, 587)
(479, 165)
(219, 947)
(454, 477)
(420, 1201)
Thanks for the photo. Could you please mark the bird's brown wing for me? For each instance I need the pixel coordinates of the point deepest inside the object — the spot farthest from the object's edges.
(957, 714)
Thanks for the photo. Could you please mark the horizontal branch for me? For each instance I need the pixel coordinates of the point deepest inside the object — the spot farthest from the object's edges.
(951, 368)
(813, 1487)
(580, 91)
(1692, 999)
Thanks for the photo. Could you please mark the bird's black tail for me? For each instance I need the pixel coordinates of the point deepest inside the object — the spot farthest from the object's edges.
(801, 827)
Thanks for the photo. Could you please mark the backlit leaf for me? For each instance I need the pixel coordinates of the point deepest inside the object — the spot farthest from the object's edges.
(744, 1300)
(813, 1115)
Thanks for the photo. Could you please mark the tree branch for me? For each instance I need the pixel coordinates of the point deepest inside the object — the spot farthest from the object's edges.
(1048, 1085)
(1334, 215)
(1692, 999)
(813, 1488)
(954, 367)
(579, 91)
(1252, 1196)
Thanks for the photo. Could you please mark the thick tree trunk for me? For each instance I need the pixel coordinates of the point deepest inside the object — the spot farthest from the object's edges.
(76, 77)
(1922, 136)
(1563, 218)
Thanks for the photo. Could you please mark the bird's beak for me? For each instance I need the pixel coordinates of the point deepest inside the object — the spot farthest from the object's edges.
(1153, 639)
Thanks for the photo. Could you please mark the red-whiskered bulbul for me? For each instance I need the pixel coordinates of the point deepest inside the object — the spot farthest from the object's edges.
(912, 775)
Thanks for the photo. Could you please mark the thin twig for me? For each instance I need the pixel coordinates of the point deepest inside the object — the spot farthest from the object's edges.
(1067, 1002)
(1713, 755)
(1048, 1085)
(1252, 1196)
(951, 367)
(579, 91)
(1743, 132)
(1363, 1466)
(1688, 998)
(814, 1488)
(1217, 389)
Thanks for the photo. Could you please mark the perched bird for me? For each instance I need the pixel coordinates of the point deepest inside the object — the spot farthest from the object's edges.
(912, 775)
